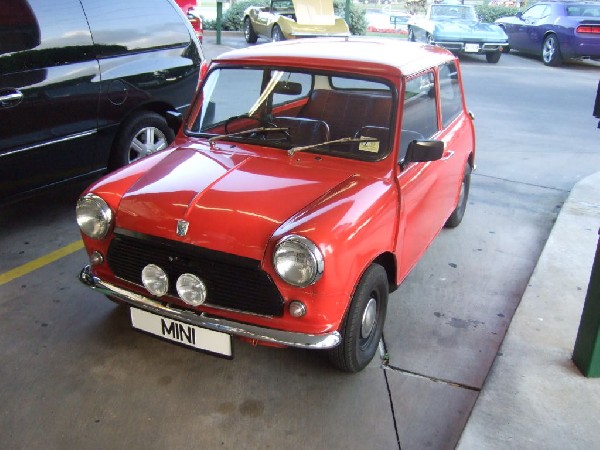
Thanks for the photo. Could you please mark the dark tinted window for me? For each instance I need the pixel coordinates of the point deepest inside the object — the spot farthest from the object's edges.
(120, 26)
(450, 97)
(420, 111)
(42, 33)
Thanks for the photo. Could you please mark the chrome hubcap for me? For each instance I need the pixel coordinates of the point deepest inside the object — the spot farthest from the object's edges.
(368, 318)
(146, 142)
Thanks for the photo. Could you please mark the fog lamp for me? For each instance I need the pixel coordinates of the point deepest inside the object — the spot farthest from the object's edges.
(155, 280)
(96, 258)
(191, 289)
(297, 308)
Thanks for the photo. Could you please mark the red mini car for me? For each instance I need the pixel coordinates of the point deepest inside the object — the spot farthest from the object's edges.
(309, 178)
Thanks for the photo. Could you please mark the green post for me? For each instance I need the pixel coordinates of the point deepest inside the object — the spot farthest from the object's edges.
(586, 354)
(347, 15)
(219, 20)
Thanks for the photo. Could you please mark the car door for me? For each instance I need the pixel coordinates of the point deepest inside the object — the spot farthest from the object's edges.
(529, 35)
(428, 190)
(48, 94)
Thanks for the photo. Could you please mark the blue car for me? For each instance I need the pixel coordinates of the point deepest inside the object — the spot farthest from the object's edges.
(556, 30)
(456, 27)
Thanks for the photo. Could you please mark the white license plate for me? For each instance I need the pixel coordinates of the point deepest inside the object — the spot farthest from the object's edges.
(471, 48)
(182, 333)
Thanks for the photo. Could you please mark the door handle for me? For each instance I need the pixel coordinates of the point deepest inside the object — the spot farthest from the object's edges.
(10, 97)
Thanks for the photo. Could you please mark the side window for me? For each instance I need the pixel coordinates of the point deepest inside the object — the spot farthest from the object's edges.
(536, 12)
(300, 85)
(36, 34)
(450, 96)
(120, 27)
(420, 112)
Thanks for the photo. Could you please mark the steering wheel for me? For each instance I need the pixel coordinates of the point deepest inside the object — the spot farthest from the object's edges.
(263, 122)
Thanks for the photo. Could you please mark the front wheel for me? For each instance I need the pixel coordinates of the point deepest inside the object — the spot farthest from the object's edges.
(142, 135)
(249, 33)
(493, 57)
(457, 215)
(277, 34)
(551, 51)
(363, 326)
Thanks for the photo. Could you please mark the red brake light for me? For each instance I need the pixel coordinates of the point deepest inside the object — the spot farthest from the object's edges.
(593, 29)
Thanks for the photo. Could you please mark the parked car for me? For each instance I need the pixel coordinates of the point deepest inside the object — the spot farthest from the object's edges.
(555, 30)
(310, 177)
(457, 28)
(189, 9)
(292, 19)
(82, 90)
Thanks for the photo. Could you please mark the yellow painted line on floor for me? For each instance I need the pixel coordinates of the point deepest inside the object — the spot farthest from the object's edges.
(40, 262)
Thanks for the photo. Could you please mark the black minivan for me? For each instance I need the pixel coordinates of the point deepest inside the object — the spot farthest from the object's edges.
(89, 85)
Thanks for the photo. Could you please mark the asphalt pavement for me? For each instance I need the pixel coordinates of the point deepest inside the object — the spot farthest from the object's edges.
(534, 396)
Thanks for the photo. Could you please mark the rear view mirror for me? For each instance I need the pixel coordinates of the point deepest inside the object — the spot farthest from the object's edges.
(287, 88)
(423, 151)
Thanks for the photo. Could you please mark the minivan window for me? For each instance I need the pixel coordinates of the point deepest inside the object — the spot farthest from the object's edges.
(56, 34)
(120, 27)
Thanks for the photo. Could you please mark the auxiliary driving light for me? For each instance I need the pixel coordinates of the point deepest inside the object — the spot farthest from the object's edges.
(155, 280)
(191, 289)
(96, 258)
(297, 308)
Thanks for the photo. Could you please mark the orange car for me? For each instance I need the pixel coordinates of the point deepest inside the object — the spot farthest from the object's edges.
(309, 178)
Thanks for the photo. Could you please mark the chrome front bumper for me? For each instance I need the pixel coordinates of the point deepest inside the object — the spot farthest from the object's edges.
(269, 335)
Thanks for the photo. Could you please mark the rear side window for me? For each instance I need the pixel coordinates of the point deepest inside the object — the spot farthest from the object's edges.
(123, 26)
(450, 97)
(42, 33)
(420, 110)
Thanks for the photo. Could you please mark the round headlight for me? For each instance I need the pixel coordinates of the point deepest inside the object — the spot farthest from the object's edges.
(94, 216)
(155, 280)
(191, 289)
(298, 261)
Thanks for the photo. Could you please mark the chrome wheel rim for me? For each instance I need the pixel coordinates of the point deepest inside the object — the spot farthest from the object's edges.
(147, 141)
(368, 318)
(549, 49)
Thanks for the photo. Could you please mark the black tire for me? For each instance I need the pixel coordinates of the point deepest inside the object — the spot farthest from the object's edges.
(249, 33)
(429, 39)
(363, 325)
(411, 35)
(142, 135)
(551, 51)
(277, 34)
(493, 57)
(457, 215)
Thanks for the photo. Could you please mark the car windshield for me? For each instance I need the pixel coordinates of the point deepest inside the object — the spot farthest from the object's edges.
(453, 12)
(295, 111)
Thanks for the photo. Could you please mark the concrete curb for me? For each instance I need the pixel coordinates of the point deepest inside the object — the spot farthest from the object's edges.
(534, 396)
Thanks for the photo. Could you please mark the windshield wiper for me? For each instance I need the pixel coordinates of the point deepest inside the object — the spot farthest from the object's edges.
(293, 150)
(212, 140)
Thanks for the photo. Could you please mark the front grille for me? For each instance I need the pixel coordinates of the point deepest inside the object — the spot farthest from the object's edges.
(232, 282)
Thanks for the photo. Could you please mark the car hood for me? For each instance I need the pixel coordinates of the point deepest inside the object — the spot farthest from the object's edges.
(233, 202)
(468, 30)
(314, 12)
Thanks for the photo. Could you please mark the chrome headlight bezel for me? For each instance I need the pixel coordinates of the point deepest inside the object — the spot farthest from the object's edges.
(298, 261)
(94, 216)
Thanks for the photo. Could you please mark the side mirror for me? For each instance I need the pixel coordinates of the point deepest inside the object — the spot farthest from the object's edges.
(424, 151)
(519, 15)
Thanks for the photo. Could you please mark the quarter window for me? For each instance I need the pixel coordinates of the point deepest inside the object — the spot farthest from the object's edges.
(450, 96)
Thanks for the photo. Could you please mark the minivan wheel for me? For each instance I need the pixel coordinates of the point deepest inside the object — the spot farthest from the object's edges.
(363, 326)
(142, 135)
